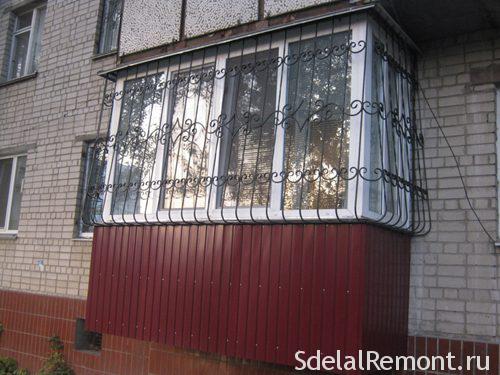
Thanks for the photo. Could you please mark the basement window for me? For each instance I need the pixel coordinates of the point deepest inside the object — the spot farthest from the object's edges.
(87, 340)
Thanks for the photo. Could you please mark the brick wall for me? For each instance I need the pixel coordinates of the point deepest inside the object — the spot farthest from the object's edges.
(461, 350)
(30, 320)
(454, 280)
(48, 117)
(455, 289)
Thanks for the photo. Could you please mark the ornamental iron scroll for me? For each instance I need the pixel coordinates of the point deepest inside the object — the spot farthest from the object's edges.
(314, 123)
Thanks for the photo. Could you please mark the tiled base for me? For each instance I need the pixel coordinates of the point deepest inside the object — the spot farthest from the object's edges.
(29, 320)
(431, 346)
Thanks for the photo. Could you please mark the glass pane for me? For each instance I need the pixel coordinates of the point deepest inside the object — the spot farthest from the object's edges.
(137, 144)
(110, 25)
(19, 55)
(392, 98)
(317, 140)
(248, 141)
(17, 193)
(24, 20)
(376, 146)
(5, 174)
(94, 177)
(37, 41)
(187, 146)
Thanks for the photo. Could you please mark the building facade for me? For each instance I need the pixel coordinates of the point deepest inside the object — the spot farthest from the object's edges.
(231, 225)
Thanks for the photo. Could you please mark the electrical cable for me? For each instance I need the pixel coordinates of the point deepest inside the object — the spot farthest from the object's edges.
(458, 168)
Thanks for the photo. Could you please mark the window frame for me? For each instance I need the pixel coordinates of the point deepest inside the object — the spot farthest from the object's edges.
(103, 29)
(34, 29)
(5, 229)
(357, 196)
(386, 215)
(89, 148)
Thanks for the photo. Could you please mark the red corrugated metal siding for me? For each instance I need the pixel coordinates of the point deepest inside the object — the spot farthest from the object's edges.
(259, 292)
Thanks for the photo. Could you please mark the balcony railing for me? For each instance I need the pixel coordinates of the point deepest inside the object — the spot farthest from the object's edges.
(314, 123)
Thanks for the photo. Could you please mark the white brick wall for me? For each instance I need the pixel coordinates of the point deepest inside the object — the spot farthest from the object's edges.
(455, 270)
(454, 279)
(49, 116)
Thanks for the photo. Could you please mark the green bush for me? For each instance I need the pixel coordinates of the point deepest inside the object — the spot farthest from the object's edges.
(8, 366)
(56, 364)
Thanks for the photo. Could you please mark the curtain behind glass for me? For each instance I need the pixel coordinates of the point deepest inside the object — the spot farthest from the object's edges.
(248, 140)
(317, 139)
(136, 144)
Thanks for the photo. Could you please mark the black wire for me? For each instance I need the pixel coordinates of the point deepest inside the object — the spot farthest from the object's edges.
(458, 168)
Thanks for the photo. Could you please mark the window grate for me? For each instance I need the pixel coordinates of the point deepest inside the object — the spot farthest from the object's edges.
(315, 123)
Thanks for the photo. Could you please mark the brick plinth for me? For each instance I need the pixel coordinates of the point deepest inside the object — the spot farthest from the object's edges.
(460, 349)
(29, 320)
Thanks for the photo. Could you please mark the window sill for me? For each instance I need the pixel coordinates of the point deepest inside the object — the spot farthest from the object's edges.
(83, 239)
(20, 79)
(98, 56)
(8, 236)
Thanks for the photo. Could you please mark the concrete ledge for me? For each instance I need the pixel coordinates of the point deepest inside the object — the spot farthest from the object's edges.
(8, 236)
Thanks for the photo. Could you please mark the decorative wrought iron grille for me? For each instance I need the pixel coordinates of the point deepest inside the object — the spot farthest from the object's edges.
(314, 123)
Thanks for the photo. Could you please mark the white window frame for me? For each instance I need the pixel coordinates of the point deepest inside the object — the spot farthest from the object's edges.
(357, 202)
(5, 229)
(385, 212)
(34, 29)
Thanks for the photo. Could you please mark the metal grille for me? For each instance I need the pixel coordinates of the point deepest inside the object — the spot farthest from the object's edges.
(315, 123)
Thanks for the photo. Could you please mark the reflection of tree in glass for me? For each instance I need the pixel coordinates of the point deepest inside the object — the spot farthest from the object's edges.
(136, 143)
(249, 101)
(95, 189)
(376, 149)
(317, 138)
(187, 145)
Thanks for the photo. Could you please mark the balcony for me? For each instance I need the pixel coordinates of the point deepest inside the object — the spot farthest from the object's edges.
(310, 128)
(314, 123)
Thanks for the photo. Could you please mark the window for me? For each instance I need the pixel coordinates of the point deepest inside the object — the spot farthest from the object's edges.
(110, 25)
(390, 153)
(324, 145)
(91, 202)
(86, 340)
(12, 170)
(26, 42)
(302, 124)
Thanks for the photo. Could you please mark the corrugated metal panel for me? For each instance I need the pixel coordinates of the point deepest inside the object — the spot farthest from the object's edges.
(259, 292)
